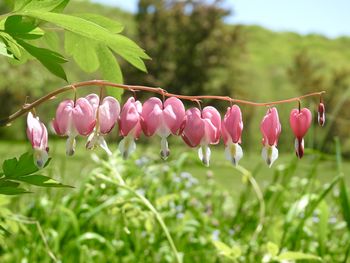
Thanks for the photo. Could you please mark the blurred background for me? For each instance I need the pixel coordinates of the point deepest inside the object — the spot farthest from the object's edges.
(247, 49)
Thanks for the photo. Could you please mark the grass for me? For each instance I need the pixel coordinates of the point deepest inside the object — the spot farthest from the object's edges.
(70, 169)
(299, 211)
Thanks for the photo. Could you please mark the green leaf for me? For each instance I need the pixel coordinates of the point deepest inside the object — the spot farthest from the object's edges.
(344, 195)
(110, 69)
(323, 226)
(225, 250)
(41, 180)
(48, 58)
(43, 5)
(11, 44)
(272, 249)
(290, 255)
(109, 24)
(118, 43)
(3, 50)
(13, 168)
(12, 191)
(19, 4)
(6, 183)
(22, 27)
(9, 167)
(83, 51)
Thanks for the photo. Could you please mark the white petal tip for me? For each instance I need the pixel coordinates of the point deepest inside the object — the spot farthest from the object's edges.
(40, 158)
(269, 154)
(204, 154)
(233, 153)
(127, 146)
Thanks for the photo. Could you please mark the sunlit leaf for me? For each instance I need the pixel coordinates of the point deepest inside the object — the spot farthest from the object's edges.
(48, 58)
(40, 180)
(40, 5)
(83, 51)
(109, 24)
(290, 255)
(123, 46)
(110, 69)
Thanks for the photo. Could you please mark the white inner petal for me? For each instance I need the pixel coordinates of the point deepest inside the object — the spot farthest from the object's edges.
(204, 154)
(233, 153)
(164, 152)
(269, 154)
(127, 146)
(70, 145)
(40, 157)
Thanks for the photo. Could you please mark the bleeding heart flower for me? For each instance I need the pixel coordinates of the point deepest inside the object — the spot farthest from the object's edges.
(231, 129)
(300, 121)
(106, 115)
(202, 128)
(321, 114)
(129, 126)
(37, 134)
(162, 120)
(73, 119)
(271, 129)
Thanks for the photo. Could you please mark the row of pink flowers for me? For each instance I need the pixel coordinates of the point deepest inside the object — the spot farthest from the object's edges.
(94, 118)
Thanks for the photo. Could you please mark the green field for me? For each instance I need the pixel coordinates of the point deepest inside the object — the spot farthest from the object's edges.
(71, 169)
(214, 216)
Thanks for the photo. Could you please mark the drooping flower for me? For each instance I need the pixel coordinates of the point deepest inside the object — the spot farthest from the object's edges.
(231, 129)
(130, 126)
(37, 135)
(202, 128)
(271, 129)
(300, 121)
(73, 119)
(162, 119)
(106, 114)
(321, 114)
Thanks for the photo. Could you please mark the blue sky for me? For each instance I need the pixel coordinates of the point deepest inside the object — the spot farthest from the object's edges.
(327, 17)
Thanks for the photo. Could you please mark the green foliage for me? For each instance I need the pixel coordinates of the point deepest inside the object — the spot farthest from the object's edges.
(16, 171)
(103, 221)
(85, 35)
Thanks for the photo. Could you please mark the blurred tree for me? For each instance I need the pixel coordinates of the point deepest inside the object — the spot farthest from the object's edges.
(306, 74)
(189, 44)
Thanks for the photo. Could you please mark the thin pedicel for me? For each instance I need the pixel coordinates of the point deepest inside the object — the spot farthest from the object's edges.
(28, 106)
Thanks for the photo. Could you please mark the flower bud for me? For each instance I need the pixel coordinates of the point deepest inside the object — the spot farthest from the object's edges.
(321, 114)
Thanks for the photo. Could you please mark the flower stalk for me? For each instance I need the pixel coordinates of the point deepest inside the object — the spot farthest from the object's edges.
(100, 83)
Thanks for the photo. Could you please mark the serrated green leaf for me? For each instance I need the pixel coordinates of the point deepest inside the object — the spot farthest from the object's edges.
(40, 180)
(9, 167)
(291, 255)
(48, 58)
(12, 191)
(13, 168)
(109, 24)
(83, 51)
(110, 69)
(119, 44)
